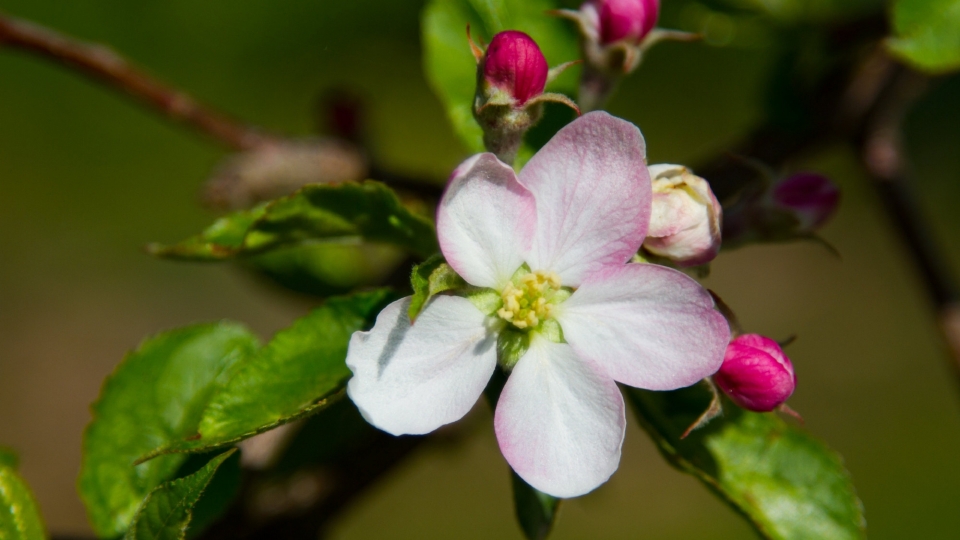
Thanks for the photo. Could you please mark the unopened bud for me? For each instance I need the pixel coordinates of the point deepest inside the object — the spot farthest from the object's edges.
(756, 374)
(810, 197)
(685, 217)
(629, 20)
(514, 65)
(511, 77)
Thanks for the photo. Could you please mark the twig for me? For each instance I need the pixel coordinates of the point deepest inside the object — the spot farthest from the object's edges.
(105, 65)
(883, 156)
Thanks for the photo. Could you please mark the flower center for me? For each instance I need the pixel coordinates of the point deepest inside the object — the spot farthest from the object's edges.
(530, 299)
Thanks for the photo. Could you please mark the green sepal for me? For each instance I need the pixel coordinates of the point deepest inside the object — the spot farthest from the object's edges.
(512, 344)
(166, 512)
(488, 301)
(786, 483)
(536, 511)
(430, 278)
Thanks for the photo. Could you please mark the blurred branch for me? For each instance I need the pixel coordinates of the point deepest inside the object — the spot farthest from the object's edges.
(862, 102)
(881, 149)
(333, 160)
(104, 65)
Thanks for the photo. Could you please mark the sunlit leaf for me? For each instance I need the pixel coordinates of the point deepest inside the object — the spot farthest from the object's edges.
(927, 34)
(154, 398)
(346, 213)
(789, 485)
(300, 371)
(451, 67)
(19, 516)
(166, 512)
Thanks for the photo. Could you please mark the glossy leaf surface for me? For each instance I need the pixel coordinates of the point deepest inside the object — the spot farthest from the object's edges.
(154, 398)
(789, 485)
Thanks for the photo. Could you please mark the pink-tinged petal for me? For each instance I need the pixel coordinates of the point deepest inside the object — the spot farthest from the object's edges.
(593, 197)
(559, 421)
(485, 221)
(414, 379)
(647, 326)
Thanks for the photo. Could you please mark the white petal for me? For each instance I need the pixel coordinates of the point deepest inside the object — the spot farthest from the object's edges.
(647, 325)
(412, 380)
(559, 421)
(593, 197)
(485, 221)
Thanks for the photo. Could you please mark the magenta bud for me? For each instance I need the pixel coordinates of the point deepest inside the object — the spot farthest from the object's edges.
(629, 20)
(812, 198)
(756, 374)
(514, 64)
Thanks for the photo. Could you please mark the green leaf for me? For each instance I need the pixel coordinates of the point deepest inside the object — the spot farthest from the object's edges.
(219, 241)
(349, 212)
(9, 458)
(368, 211)
(219, 494)
(451, 68)
(154, 398)
(19, 515)
(927, 34)
(430, 278)
(789, 485)
(299, 372)
(166, 512)
(536, 511)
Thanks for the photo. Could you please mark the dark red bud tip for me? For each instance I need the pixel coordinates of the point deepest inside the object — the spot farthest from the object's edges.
(514, 64)
(631, 20)
(756, 374)
(812, 197)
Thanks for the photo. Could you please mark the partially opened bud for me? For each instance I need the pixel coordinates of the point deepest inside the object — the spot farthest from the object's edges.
(685, 217)
(514, 65)
(811, 198)
(629, 20)
(756, 374)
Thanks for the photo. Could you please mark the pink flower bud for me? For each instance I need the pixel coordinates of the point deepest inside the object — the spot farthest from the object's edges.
(514, 64)
(812, 198)
(629, 20)
(685, 217)
(756, 374)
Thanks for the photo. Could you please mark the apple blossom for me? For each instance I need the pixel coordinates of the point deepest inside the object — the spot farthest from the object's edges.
(546, 256)
(685, 217)
(756, 374)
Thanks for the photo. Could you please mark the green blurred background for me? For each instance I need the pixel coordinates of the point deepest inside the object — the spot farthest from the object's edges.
(86, 179)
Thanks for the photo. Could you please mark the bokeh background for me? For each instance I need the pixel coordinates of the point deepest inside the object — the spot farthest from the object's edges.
(87, 178)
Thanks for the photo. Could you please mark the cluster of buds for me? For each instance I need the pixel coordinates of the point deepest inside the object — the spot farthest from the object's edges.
(511, 77)
(790, 208)
(756, 374)
(684, 218)
(614, 35)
